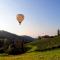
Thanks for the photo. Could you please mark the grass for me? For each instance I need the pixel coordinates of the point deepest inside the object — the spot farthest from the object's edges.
(45, 55)
(44, 44)
(32, 54)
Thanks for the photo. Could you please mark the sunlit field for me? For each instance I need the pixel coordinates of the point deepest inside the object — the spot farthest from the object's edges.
(46, 55)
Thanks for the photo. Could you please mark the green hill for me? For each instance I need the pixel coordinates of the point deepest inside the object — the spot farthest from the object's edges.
(44, 44)
(40, 49)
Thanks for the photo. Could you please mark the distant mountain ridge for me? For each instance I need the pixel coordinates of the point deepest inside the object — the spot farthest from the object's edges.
(15, 37)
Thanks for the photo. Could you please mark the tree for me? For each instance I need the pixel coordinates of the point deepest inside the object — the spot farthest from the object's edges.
(39, 37)
(58, 32)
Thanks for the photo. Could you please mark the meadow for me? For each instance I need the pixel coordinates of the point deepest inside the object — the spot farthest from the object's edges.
(36, 52)
(45, 55)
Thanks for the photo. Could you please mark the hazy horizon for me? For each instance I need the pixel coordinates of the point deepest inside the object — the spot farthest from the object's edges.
(42, 17)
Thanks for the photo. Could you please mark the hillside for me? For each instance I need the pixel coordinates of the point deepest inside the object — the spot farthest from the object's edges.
(5, 34)
(39, 49)
(13, 44)
(44, 44)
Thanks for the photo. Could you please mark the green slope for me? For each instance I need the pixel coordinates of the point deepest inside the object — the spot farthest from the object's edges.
(45, 44)
(42, 44)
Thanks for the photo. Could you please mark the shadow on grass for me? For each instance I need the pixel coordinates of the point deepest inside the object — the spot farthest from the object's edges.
(14, 52)
(27, 49)
(49, 49)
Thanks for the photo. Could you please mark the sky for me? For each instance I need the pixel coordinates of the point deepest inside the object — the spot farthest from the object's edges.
(41, 17)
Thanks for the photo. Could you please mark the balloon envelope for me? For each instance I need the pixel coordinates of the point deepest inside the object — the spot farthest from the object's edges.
(20, 17)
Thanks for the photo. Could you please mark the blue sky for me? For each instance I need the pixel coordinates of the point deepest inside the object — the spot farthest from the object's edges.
(41, 16)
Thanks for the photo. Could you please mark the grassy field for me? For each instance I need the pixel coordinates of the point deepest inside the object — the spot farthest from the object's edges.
(45, 55)
(32, 54)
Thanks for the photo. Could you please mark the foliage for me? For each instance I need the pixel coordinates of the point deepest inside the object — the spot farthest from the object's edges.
(11, 47)
(48, 43)
(45, 43)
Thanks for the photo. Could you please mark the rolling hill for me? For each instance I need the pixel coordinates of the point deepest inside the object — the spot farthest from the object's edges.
(5, 34)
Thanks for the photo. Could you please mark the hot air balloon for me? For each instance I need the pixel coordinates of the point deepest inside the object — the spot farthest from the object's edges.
(20, 18)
